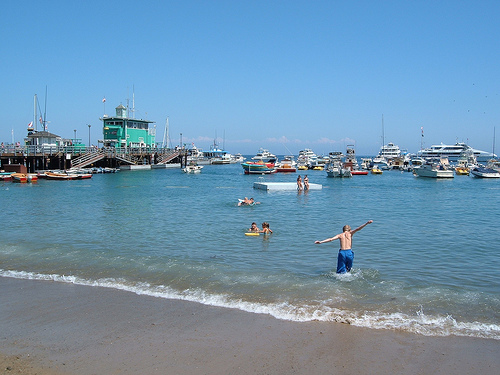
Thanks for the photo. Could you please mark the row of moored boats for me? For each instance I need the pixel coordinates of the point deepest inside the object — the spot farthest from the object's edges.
(70, 174)
(439, 161)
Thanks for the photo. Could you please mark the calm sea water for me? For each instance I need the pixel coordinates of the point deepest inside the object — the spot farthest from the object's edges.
(428, 264)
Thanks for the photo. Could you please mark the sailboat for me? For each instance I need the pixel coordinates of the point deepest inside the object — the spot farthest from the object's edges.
(387, 152)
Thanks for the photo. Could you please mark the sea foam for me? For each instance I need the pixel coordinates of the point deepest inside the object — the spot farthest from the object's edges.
(419, 323)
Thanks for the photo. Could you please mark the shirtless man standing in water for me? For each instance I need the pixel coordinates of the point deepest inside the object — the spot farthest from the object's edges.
(346, 255)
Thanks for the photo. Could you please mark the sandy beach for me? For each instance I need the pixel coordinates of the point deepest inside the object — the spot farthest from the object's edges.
(55, 328)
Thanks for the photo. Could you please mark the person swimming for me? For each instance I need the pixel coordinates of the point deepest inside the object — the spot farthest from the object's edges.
(247, 202)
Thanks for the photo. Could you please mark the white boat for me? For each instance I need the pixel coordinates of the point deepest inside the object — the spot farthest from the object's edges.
(350, 159)
(453, 152)
(338, 171)
(195, 154)
(366, 163)
(434, 169)
(218, 156)
(485, 172)
(287, 164)
(225, 158)
(307, 158)
(493, 164)
(265, 156)
(238, 158)
(387, 152)
(192, 168)
(416, 160)
(335, 168)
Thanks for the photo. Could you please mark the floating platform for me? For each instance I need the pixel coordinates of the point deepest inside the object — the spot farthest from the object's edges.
(142, 167)
(283, 186)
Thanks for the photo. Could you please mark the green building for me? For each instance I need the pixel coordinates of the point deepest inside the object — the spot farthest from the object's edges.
(122, 131)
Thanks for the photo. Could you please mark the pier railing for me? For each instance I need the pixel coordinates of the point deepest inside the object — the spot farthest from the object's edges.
(50, 150)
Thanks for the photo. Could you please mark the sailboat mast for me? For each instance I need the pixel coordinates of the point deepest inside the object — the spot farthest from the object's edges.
(422, 138)
(34, 112)
(133, 101)
(494, 129)
(383, 134)
(45, 112)
(165, 134)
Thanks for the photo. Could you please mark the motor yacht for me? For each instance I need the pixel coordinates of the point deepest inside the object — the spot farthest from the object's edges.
(453, 152)
(265, 156)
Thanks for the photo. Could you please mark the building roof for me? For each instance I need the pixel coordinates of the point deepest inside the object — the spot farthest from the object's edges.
(113, 118)
(43, 133)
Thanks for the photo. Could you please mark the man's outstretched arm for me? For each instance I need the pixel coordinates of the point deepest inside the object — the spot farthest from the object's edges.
(362, 226)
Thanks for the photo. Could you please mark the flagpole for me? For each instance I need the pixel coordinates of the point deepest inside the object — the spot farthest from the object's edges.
(104, 104)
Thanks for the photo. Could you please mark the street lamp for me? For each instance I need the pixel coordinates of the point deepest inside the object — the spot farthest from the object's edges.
(89, 133)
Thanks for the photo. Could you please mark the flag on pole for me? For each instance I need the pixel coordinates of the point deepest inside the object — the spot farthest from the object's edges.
(104, 100)
(422, 128)
(30, 125)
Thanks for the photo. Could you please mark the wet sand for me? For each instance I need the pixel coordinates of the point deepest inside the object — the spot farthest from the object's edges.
(55, 328)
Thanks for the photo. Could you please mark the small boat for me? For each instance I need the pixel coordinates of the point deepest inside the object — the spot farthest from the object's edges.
(359, 173)
(6, 176)
(19, 177)
(493, 164)
(24, 177)
(258, 167)
(335, 167)
(365, 163)
(288, 164)
(337, 170)
(485, 172)
(67, 176)
(434, 169)
(223, 159)
(238, 158)
(376, 170)
(462, 171)
(192, 168)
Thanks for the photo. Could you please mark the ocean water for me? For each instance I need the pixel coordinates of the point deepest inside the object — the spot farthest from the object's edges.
(429, 264)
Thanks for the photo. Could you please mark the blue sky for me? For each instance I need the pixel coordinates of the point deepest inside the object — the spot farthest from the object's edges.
(283, 75)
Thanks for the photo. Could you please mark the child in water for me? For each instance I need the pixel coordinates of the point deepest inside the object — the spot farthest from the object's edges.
(265, 228)
(254, 227)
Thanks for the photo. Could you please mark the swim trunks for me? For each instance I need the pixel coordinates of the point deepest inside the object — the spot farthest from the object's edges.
(344, 261)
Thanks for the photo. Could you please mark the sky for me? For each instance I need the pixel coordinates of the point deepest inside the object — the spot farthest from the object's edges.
(281, 75)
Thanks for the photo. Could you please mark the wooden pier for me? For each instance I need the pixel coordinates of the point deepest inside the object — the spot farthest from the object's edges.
(38, 158)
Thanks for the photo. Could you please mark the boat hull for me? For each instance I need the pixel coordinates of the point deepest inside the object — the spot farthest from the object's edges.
(19, 177)
(434, 173)
(258, 168)
(286, 170)
(485, 173)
